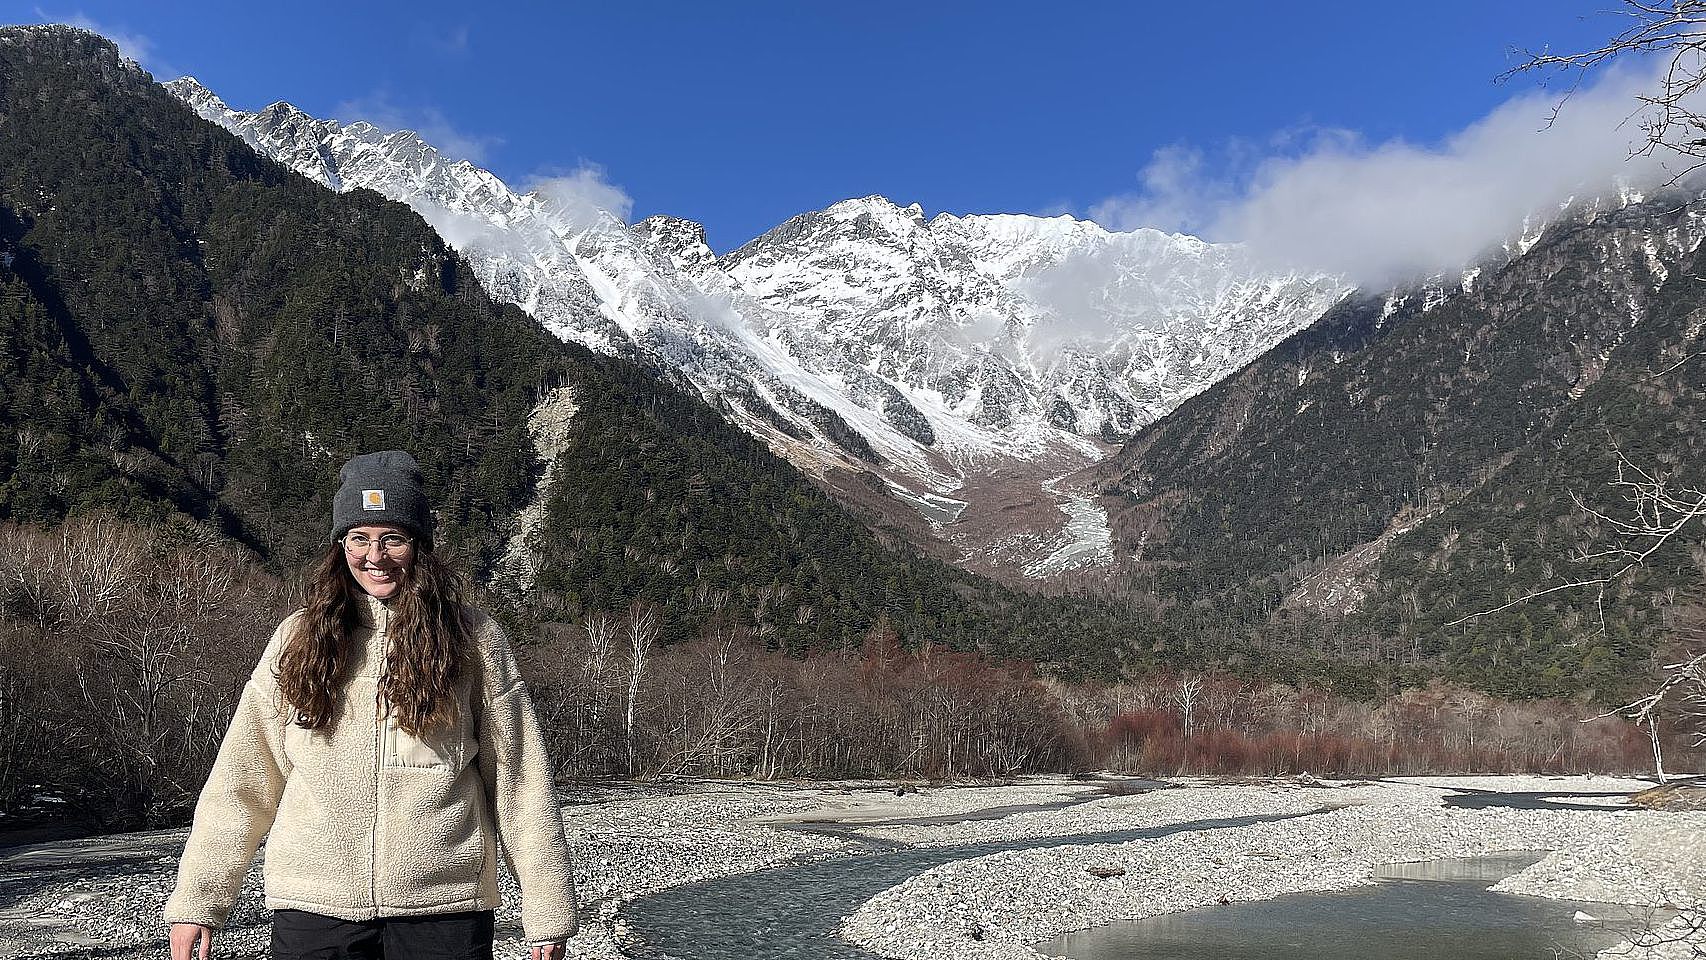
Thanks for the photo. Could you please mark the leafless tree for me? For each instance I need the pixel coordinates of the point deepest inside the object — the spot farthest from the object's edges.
(1670, 117)
(707, 712)
(137, 648)
(771, 693)
(581, 697)
(642, 635)
(599, 630)
(1186, 693)
(1681, 692)
(1656, 510)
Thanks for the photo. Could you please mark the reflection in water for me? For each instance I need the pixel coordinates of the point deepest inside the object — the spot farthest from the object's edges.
(1432, 910)
(1483, 870)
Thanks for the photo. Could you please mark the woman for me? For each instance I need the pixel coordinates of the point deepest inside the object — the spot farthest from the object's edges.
(388, 743)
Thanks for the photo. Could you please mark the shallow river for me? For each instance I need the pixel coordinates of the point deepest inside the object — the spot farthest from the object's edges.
(1439, 910)
(795, 910)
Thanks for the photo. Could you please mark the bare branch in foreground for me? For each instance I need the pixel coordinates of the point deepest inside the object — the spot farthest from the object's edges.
(1672, 118)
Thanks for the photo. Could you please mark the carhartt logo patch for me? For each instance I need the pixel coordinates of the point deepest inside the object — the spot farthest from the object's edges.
(372, 499)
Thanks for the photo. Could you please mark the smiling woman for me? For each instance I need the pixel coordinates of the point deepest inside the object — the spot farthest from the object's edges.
(382, 740)
(378, 557)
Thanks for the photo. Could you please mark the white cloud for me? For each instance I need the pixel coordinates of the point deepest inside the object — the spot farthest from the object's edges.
(429, 122)
(582, 194)
(1175, 197)
(1381, 213)
(467, 232)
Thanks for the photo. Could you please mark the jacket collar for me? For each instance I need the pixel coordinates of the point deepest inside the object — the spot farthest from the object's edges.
(371, 612)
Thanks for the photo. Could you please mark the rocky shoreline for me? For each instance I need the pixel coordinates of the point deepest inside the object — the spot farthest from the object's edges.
(102, 896)
(993, 908)
(105, 894)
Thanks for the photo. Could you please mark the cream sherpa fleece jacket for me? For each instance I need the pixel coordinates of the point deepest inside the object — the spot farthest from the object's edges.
(367, 821)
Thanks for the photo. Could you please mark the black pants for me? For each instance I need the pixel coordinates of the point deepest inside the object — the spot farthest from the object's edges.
(299, 935)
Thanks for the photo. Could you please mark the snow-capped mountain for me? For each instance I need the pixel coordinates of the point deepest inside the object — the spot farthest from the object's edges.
(969, 362)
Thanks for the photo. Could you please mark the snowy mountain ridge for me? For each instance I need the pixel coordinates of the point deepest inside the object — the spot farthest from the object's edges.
(963, 360)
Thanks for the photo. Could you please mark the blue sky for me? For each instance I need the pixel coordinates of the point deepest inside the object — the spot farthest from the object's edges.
(742, 114)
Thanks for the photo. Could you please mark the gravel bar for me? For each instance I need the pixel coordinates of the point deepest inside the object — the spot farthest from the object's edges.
(1331, 837)
(102, 896)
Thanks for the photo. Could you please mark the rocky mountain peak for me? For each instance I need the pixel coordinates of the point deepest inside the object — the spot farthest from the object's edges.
(880, 210)
(681, 240)
(190, 91)
(862, 338)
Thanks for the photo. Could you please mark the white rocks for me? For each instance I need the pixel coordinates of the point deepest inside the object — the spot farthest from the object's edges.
(862, 803)
(1063, 872)
(1021, 897)
(628, 842)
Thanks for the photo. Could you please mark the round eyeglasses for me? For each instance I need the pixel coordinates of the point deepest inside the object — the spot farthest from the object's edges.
(391, 544)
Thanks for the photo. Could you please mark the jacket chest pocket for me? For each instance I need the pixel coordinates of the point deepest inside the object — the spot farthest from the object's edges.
(445, 749)
(434, 751)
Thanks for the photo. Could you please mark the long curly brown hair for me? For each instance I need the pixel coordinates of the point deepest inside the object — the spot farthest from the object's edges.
(429, 644)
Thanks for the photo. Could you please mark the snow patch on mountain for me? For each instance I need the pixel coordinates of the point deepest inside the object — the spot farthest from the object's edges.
(865, 337)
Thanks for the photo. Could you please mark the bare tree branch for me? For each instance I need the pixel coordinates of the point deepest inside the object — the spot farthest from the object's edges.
(1658, 510)
(1673, 118)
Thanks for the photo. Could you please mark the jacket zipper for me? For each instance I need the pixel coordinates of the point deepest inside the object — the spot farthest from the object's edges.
(382, 642)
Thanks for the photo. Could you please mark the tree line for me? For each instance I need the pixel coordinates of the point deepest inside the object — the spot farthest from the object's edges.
(123, 649)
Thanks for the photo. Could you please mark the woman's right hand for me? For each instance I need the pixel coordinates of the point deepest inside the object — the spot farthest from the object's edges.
(184, 937)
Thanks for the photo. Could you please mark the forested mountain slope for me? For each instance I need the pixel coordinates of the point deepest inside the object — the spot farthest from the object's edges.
(193, 334)
(1411, 460)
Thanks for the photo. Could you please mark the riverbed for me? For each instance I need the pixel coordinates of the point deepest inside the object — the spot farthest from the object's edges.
(853, 870)
(999, 906)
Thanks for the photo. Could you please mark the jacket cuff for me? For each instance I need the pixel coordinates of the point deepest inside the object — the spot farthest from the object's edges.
(202, 919)
(549, 932)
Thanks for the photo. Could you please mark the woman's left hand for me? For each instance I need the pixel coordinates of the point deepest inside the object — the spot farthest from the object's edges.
(548, 951)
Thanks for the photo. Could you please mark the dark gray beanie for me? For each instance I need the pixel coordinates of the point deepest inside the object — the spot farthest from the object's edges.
(381, 488)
